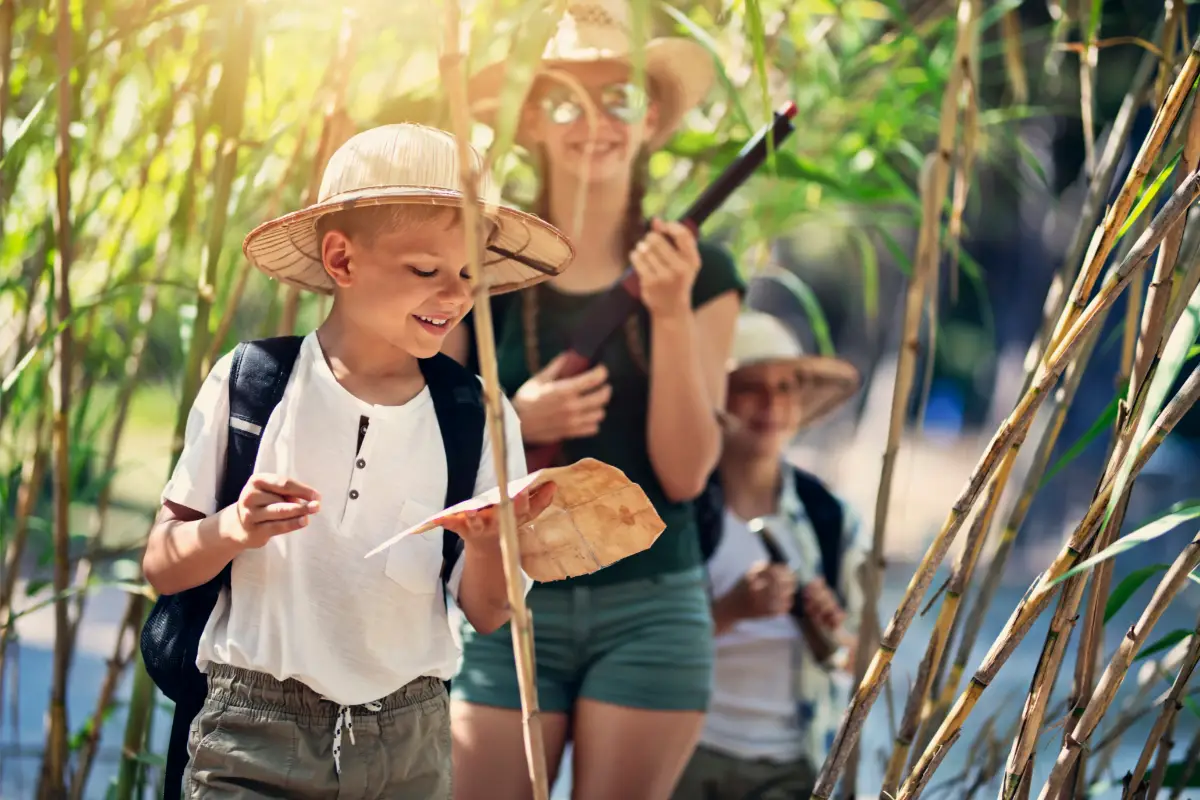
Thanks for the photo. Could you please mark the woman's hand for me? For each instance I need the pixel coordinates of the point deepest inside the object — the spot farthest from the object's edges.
(667, 261)
(482, 526)
(553, 409)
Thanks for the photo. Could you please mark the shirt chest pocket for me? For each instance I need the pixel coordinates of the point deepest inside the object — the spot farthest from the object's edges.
(415, 562)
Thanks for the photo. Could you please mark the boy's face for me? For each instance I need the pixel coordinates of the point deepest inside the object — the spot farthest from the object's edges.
(766, 404)
(409, 284)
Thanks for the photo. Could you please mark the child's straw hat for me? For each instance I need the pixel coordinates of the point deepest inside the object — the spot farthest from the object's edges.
(406, 163)
(681, 70)
(763, 338)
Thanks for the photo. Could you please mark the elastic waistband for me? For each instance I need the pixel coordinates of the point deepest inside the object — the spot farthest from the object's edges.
(256, 691)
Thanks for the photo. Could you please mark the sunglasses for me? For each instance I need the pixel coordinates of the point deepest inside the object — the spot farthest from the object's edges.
(625, 102)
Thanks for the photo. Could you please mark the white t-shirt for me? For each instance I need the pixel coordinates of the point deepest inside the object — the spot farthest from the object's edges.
(757, 710)
(308, 605)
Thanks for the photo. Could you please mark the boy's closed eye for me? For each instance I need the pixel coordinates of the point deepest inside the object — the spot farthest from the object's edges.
(464, 273)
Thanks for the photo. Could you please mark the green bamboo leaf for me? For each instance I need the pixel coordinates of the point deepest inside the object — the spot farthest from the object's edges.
(14, 157)
(1175, 516)
(708, 43)
(1130, 584)
(757, 32)
(520, 70)
(1149, 193)
(870, 269)
(1102, 425)
(1165, 643)
(1175, 772)
(812, 307)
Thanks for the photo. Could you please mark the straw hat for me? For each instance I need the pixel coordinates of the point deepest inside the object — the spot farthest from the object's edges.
(593, 31)
(596, 517)
(406, 163)
(763, 338)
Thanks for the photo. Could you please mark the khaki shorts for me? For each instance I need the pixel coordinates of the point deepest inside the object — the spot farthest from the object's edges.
(257, 737)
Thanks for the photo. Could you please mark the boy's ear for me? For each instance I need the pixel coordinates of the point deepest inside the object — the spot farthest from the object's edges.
(336, 250)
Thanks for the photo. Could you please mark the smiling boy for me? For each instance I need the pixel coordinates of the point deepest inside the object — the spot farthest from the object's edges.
(311, 641)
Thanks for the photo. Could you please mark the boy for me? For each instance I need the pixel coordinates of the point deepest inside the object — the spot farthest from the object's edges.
(312, 641)
(774, 707)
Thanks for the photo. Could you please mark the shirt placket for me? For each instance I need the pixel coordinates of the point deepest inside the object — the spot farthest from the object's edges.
(358, 469)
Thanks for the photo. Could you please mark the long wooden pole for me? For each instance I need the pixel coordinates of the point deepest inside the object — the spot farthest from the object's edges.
(470, 166)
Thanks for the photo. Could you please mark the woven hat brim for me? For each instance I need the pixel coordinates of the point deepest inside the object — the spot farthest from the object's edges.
(837, 380)
(286, 248)
(682, 70)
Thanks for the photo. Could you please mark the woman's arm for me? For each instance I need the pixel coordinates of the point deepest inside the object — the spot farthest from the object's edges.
(688, 352)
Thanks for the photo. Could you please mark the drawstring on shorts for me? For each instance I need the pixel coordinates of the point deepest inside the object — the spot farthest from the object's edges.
(344, 720)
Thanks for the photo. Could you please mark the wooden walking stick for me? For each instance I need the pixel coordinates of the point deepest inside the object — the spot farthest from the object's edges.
(450, 67)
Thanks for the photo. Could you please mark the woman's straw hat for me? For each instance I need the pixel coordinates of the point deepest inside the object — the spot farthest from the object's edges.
(680, 70)
(763, 338)
(406, 163)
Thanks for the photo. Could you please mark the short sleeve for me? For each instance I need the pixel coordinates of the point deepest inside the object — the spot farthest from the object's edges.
(486, 479)
(718, 274)
(196, 479)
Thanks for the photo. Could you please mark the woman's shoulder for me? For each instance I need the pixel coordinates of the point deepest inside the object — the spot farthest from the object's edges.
(718, 273)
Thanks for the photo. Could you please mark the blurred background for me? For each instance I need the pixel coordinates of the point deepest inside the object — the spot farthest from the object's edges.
(181, 125)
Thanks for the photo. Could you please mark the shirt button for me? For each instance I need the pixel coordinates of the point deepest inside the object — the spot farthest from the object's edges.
(360, 463)
(354, 494)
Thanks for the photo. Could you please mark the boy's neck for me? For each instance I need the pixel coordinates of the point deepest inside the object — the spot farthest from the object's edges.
(367, 365)
(598, 233)
(750, 483)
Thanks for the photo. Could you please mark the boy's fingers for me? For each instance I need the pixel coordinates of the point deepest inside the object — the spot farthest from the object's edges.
(285, 510)
(280, 527)
(260, 498)
(288, 487)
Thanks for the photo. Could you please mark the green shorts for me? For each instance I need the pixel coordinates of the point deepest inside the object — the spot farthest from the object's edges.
(639, 644)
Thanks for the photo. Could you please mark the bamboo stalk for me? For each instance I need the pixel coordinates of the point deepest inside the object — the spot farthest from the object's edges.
(1166, 717)
(1119, 211)
(1117, 668)
(1014, 57)
(1035, 601)
(1015, 427)
(1087, 63)
(450, 67)
(935, 180)
(1164, 759)
(52, 784)
(1190, 760)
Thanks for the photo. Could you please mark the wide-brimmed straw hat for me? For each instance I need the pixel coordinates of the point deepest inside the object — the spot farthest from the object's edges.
(761, 338)
(415, 164)
(593, 31)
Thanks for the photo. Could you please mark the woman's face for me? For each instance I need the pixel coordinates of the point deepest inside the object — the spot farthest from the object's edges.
(556, 118)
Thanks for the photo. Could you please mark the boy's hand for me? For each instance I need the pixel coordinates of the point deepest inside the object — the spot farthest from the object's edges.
(766, 590)
(821, 605)
(483, 525)
(269, 505)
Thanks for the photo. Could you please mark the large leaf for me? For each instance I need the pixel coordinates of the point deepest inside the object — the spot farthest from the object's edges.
(1128, 586)
(1176, 516)
(1165, 643)
(1103, 424)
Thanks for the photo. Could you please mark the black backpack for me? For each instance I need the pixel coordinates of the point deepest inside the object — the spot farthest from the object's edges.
(258, 376)
(823, 509)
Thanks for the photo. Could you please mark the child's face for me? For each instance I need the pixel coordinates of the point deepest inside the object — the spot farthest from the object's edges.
(409, 284)
(765, 403)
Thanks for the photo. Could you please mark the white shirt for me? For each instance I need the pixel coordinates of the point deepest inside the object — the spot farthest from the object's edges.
(308, 605)
(771, 699)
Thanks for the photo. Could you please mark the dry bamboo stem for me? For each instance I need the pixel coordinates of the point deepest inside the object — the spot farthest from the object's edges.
(1189, 766)
(1039, 596)
(54, 764)
(451, 69)
(1014, 57)
(1087, 63)
(1013, 428)
(935, 181)
(1117, 668)
(919, 693)
(1164, 759)
(1119, 211)
(1170, 707)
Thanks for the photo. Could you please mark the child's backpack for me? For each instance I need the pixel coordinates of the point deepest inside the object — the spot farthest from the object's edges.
(258, 376)
(823, 509)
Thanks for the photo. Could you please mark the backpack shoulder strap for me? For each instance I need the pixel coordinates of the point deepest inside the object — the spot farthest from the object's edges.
(709, 512)
(458, 402)
(827, 517)
(257, 378)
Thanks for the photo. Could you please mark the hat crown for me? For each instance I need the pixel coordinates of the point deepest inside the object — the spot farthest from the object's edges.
(760, 336)
(595, 29)
(403, 154)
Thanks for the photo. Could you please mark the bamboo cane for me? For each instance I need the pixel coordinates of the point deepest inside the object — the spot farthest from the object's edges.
(1013, 428)
(1159, 774)
(1190, 760)
(935, 180)
(454, 80)
(1171, 706)
(1107, 235)
(53, 781)
(1118, 667)
(1087, 64)
(1039, 596)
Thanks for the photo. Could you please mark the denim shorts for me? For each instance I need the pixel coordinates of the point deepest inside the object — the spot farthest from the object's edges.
(639, 644)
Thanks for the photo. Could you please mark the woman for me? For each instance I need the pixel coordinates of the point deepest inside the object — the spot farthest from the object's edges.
(776, 700)
(624, 656)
